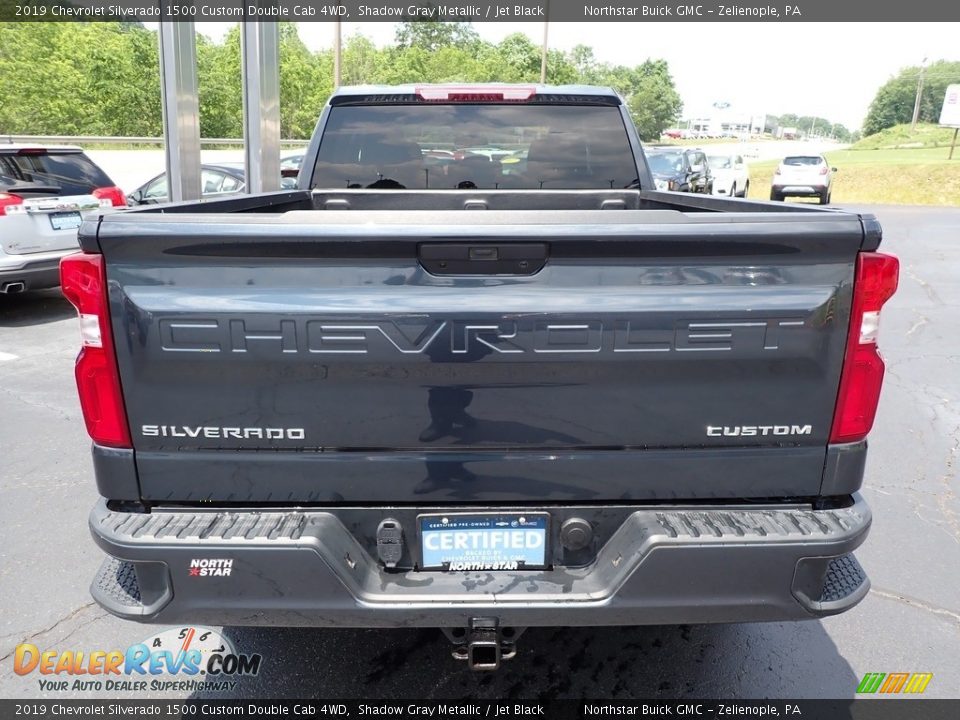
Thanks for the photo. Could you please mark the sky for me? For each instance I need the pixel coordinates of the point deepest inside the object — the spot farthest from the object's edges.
(830, 70)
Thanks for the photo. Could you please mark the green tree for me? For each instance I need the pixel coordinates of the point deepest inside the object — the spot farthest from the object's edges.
(652, 98)
(840, 132)
(362, 62)
(584, 63)
(219, 83)
(519, 59)
(103, 78)
(28, 107)
(560, 69)
(788, 120)
(815, 125)
(432, 35)
(893, 104)
(78, 79)
(306, 81)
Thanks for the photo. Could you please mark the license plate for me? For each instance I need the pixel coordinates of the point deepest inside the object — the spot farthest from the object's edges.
(65, 220)
(501, 541)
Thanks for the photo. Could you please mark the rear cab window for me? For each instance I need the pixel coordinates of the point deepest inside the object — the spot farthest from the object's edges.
(72, 172)
(475, 146)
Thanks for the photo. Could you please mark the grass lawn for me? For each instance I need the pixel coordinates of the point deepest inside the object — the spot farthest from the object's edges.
(907, 176)
(903, 136)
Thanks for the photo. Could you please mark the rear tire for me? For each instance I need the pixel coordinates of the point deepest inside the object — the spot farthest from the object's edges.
(824, 197)
(746, 189)
(733, 190)
(775, 196)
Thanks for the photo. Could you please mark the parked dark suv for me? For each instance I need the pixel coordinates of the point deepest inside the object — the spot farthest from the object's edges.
(680, 170)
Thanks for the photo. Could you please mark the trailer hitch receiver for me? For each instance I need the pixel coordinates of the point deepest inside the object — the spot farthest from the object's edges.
(484, 644)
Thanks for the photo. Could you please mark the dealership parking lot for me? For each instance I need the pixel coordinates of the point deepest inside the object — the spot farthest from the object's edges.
(909, 623)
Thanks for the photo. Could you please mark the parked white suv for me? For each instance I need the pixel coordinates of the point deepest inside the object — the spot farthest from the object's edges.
(731, 177)
(803, 176)
(44, 193)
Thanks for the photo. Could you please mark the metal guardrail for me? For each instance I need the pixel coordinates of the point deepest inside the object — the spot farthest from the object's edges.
(100, 140)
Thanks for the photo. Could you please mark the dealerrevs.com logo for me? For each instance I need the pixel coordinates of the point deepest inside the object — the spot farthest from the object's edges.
(894, 683)
(180, 659)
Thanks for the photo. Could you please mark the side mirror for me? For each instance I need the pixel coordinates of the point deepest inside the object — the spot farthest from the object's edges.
(833, 169)
(135, 198)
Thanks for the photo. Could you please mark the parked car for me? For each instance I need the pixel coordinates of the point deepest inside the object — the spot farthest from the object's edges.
(415, 413)
(731, 177)
(680, 170)
(216, 180)
(44, 193)
(290, 165)
(803, 176)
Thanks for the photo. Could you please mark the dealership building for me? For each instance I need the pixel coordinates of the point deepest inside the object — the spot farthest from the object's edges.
(723, 119)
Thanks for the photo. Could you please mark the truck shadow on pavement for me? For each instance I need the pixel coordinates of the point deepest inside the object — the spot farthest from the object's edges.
(772, 660)
(34, 308)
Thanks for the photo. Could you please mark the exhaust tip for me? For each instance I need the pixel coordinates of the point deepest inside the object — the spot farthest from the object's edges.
(11, 288)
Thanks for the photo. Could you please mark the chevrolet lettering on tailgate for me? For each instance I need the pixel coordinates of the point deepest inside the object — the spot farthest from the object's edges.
(576, 335)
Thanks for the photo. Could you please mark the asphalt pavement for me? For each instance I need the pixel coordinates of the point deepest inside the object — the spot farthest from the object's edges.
(910, 622)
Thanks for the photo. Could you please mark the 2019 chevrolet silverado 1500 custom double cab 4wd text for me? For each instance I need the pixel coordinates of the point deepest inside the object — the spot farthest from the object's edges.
(478, 390)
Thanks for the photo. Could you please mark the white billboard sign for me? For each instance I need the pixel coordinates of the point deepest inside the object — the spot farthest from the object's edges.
(950, 114)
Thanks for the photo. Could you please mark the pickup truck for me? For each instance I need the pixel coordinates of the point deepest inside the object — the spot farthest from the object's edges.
(478, 391)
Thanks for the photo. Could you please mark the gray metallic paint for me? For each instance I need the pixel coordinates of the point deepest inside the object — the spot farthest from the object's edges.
(640, 417)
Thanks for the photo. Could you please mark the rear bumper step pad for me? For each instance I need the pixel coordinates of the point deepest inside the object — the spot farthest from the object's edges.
(303, 567)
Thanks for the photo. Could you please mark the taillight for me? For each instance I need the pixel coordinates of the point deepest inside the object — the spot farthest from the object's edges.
(84, 283)
(777, 171)
(113, 194)
(823, 170)
(874, 283)
(10, 204)
(475, 93)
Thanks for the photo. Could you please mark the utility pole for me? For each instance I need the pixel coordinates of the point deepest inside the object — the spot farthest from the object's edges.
(543, 52)
(336, 55)
(916, 102)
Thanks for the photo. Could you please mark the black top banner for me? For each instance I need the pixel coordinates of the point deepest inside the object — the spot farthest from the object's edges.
(478, 10)
(888, 709)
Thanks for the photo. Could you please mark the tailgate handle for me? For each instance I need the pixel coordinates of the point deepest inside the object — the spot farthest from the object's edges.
(482, 258)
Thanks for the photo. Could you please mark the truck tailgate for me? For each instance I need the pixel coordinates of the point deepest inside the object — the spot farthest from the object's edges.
(313, 357)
